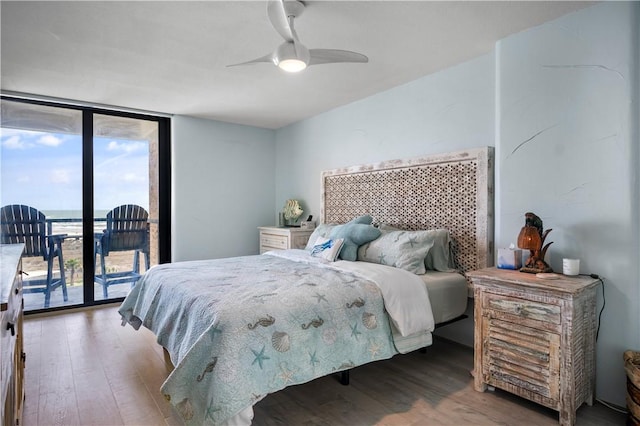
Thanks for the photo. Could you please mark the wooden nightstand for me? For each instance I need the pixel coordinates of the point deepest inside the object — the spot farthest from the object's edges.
(275, 238)
(536, 337)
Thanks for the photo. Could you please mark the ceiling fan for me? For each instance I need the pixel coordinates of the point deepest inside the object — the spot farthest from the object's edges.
(293, 56)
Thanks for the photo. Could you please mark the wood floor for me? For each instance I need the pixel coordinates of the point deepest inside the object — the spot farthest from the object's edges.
(83, 368)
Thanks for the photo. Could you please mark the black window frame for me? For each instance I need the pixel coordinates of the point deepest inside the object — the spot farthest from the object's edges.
(164, 190)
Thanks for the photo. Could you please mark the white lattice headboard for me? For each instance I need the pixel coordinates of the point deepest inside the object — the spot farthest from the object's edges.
(452, 191)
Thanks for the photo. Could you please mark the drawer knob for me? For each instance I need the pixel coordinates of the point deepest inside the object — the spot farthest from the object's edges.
(11, 327)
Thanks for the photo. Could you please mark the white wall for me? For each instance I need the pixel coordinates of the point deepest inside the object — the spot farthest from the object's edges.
(567, 149)
(222, 188)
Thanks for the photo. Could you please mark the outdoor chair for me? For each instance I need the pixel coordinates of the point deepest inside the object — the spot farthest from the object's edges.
(24, 224)
(127, 230)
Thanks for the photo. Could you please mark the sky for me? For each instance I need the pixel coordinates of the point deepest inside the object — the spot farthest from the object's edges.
(44, 171)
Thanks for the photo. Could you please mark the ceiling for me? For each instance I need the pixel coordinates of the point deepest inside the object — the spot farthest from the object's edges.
(172, 57)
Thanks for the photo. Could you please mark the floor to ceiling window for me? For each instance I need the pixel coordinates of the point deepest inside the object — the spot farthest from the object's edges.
(99, 180)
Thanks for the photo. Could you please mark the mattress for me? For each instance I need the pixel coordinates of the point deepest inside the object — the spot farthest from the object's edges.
(448, 294)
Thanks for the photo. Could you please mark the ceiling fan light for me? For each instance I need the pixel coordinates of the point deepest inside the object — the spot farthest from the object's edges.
(290, 57)
(292, 65)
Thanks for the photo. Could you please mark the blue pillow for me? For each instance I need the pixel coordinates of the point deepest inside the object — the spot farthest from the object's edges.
(354, 235)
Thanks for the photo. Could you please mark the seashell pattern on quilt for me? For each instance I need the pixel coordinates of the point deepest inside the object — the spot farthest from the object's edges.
(249, 326)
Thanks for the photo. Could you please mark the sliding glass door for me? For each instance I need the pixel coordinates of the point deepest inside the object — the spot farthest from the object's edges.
(95, 177)
(125, 201)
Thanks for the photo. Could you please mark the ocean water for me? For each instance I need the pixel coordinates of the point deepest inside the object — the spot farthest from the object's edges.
(74, 227)
(72, 214)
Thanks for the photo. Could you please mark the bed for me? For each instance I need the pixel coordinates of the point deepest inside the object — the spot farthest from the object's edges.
(240, 328)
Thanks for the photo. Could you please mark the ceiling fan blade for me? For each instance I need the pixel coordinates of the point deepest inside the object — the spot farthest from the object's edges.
(331, 56)
(279, 20)
(265, 58)
(292, 55)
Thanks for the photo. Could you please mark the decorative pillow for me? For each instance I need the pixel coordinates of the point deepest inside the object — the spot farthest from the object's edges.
(402, 249)
(439, 257)
(354, 235)
(327, 249)
(322, 230)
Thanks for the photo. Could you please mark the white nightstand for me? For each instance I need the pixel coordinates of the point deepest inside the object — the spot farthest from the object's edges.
(275, 238)
(536, 337)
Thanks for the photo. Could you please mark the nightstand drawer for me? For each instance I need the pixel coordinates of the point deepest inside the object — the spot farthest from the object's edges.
(278, 242)
(274, 238)
(522, 308)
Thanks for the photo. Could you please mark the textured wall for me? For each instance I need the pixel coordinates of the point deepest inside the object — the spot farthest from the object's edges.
(567, 149)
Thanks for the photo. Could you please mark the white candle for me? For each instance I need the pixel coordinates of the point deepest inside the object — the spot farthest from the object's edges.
(571, 266)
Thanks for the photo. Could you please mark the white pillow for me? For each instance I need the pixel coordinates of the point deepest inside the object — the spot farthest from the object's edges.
(326, 248)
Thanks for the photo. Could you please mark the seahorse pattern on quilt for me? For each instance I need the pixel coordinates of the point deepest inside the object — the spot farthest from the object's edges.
(239, 328)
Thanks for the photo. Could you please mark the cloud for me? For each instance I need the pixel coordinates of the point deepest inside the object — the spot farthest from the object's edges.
(15, 142)
(60, 176)
(127, 147)
(49, 140)
(25, 139)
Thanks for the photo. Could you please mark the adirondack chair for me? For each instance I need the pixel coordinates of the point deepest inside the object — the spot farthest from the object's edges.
(127, 230)
(24, 224)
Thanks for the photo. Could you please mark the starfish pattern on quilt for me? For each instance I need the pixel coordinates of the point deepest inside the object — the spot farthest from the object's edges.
(260, 357)
(354, 331)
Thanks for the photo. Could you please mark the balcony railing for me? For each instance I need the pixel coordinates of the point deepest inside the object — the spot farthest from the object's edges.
(98, 227)
(50, 223)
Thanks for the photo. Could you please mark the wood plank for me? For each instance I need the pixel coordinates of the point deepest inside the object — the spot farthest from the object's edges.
(32, 350)
(135, 402)
(56, 376)
(95, 396)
